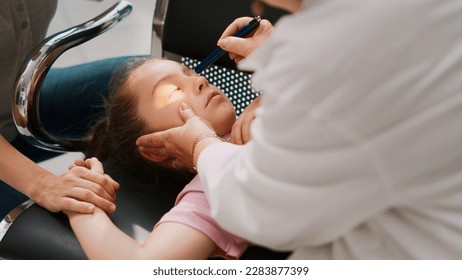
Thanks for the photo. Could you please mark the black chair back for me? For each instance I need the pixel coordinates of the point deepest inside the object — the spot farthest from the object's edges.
(192, 28)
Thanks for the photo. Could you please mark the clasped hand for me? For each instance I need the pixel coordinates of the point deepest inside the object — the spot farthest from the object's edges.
(81, 189)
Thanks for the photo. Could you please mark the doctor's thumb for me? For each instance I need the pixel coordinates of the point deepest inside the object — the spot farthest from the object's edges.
(186, 112)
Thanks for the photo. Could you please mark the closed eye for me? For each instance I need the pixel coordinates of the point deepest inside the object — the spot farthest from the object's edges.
(176, 90)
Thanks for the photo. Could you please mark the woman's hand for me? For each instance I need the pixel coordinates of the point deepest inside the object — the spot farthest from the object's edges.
(175, 146)
(240, 48)
(80, 189)
(240, 133)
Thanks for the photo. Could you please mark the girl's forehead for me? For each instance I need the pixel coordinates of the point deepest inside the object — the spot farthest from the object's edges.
(156, 69)
(161, 68)
(162, 65)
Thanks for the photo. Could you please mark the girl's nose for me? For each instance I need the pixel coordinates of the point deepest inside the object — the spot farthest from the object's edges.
(201, 83)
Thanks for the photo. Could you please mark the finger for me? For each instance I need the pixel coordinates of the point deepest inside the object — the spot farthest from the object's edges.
(238, 59)
(90, 193)
(156, 139)
(266, 25)
(239, 46)
(102, 190)
(101, 184)
(77, 162)
(186, 112)
(245, 131)
(147, 153)
(161, 160)
(77, 206)
(95, 165)
(235, 26)
(236, 133)
(89, 197)
(241, 132)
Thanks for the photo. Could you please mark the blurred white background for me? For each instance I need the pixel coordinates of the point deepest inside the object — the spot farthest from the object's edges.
(132, 36)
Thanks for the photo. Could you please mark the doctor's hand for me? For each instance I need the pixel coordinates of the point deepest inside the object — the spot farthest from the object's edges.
(240, 133)
(178, 147)
(240, 48)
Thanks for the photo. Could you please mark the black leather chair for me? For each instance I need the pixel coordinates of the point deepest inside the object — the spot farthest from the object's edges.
(187, 31)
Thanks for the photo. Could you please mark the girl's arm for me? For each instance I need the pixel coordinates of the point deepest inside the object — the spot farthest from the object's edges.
(101, 239)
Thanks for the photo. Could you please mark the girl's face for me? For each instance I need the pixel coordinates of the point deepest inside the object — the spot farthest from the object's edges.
(162, 85)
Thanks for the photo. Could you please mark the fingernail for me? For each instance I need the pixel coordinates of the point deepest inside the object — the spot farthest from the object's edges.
(184, 107)
(112, 208)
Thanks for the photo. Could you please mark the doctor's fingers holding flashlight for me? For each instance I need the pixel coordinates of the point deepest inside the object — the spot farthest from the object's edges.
(240, 48)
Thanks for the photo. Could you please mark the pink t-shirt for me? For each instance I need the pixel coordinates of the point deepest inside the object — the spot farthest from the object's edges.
(192, 209)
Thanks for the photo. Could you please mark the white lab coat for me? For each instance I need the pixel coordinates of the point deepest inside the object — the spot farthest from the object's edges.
(356, 150)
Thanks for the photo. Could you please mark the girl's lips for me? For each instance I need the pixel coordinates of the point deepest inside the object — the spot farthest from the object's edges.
(210, 97)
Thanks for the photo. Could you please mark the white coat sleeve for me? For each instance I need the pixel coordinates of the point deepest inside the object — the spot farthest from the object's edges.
(283, 198)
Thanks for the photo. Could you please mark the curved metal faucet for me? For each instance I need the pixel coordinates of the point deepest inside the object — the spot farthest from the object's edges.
(28, 85)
